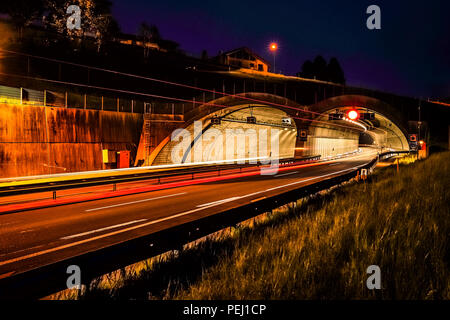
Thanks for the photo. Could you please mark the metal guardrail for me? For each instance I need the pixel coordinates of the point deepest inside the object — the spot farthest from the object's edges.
(96, 181)
(390, 154)
(51, 278)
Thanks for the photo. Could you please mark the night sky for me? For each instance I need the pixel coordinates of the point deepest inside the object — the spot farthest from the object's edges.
(410, 55)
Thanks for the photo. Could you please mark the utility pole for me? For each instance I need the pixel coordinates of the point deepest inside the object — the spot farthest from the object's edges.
(273, 47)
(419, 124)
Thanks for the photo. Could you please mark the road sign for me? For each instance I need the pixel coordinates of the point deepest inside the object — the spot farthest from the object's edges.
(215, 120)
(302, 135)
(335, 116)
(364, 174)
(286, 121)
(367, 116)
(251, 120)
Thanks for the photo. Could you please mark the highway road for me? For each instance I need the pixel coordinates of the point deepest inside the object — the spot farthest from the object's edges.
(33, 238)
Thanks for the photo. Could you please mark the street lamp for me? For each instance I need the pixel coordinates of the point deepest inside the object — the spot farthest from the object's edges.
(273, 47)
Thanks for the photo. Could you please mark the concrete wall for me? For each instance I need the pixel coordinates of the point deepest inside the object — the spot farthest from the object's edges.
(42, 140)
(329, 142)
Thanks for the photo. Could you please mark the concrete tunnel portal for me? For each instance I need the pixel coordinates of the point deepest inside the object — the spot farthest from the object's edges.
(250, 131)
(329, 139)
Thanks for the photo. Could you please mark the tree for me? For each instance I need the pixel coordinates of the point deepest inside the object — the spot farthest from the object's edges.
(204, 55)
(169, 45)
(334, 72)
(22, 12)
(148, 34)
(96, 19)
(307, 70)
(320, 70)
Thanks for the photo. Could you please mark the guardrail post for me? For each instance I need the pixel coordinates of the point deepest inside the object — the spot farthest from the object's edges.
(114, 187)
(54, 195)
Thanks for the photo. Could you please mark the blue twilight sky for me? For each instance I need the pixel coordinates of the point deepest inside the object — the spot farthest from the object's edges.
(410, 55)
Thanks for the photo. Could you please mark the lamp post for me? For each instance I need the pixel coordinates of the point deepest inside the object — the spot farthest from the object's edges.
(273, 47)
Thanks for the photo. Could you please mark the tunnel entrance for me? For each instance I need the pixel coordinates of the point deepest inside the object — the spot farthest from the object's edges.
(334, 133)
(244, 133)
(366, 139)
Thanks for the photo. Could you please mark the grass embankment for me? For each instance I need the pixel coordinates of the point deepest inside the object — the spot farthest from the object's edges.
(322, 248)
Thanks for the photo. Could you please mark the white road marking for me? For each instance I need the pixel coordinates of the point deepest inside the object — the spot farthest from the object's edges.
(14, 252)
(151, 222)
(305, 180)
(133, 202)
(102, 229)
(218, 202)
(285, 174)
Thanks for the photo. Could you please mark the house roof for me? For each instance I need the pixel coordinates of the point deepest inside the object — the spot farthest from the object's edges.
(248, 50)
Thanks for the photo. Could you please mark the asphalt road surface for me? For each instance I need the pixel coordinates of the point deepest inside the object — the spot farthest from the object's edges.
(33, 238)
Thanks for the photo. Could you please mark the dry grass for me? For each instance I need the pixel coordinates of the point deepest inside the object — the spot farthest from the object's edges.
(398, 222)
(320, 249)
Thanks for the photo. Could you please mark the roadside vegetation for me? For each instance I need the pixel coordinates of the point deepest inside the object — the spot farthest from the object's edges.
(317, 249)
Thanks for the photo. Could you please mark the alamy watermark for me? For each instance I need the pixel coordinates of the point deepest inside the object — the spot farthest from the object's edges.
(230, 145)
(374, 20)
(74, 20)
(373, 282)
(74, 280)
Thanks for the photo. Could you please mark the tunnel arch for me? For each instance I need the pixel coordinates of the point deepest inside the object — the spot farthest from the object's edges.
(233, 126)
(360, 101)
(387, 131)
(230, 103)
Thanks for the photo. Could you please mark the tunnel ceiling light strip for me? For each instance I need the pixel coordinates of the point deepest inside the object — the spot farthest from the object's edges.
(355, 123)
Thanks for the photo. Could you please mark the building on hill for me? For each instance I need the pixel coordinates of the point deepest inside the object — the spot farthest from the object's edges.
(244, 58)
(133, 40)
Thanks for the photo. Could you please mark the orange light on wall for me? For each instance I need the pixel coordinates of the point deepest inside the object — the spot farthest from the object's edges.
(353, 115)
(423, 145)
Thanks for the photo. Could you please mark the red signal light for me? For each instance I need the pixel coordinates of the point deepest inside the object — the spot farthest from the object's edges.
(353, 115)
